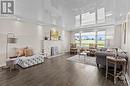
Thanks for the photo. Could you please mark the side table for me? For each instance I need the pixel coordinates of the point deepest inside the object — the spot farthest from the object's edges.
(84, 54)
(11, 63)
(115, 62)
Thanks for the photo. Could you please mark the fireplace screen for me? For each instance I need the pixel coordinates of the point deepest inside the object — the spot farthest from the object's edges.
(54, 51)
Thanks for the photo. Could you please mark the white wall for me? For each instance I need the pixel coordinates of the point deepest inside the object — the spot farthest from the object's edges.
(117, 36)
(123, 46)
(126, 46)
(128, 42)
(28, 34)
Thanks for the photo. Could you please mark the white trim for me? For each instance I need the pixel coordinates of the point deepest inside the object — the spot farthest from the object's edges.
(127, 79)
(60, 54)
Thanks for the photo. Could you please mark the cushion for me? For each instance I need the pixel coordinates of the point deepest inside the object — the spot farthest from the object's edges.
(20, 52)
(28, 52)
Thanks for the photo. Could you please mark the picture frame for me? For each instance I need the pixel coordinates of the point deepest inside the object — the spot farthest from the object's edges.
(55, 35)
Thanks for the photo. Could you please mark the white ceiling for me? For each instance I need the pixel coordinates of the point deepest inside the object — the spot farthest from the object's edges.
(62, 12)
(75, 4)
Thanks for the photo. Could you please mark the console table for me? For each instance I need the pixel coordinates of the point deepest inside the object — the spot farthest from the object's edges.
(115, 62)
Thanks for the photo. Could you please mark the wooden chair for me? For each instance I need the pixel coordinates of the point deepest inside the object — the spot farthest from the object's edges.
(73, 48)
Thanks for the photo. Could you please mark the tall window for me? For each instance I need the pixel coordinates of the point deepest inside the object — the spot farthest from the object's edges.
(88, 19)
(84, 18)
(101, 39)
(101, 15)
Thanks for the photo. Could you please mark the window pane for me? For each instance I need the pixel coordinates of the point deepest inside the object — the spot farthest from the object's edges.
(101, 39)
(77, 20)
(88, 19)
(85, 18)
(93, 19)
(101, 15)
(88, 38)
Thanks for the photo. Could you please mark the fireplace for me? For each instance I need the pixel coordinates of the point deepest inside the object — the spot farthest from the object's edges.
(54, 51)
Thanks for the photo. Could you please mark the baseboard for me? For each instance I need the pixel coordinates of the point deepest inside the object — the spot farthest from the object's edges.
(56, 55)
(127, 79)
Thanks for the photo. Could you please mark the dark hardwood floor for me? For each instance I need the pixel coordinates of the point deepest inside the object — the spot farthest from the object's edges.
(56, 72)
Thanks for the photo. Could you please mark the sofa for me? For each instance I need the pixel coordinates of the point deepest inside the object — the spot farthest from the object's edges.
(101, 58)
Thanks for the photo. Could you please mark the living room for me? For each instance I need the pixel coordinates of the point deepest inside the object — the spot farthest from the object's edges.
(64, 43)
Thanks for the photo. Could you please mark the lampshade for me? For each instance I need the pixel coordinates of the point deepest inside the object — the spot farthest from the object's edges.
(12, 40)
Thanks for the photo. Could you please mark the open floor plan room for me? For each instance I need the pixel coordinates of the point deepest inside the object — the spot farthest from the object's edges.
(64, 43)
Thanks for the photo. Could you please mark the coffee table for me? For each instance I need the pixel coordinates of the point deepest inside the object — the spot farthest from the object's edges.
(84, 54)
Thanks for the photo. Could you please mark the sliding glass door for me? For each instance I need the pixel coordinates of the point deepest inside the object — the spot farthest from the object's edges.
(87, 38)
(101, 39)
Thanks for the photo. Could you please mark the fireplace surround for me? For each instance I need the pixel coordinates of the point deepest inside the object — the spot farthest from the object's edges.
(54, 51)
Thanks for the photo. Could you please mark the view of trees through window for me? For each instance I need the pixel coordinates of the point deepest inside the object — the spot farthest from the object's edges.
(101, 36)
(87, 38)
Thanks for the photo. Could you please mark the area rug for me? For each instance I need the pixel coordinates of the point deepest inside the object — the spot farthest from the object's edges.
(88, 60)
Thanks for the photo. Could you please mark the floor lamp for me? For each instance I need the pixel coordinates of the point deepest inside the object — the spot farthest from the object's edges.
(11, 39)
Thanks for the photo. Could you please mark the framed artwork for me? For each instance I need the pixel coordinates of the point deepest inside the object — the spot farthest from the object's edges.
(55, 35)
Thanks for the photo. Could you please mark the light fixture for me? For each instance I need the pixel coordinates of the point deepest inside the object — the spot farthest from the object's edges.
(11, 39)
